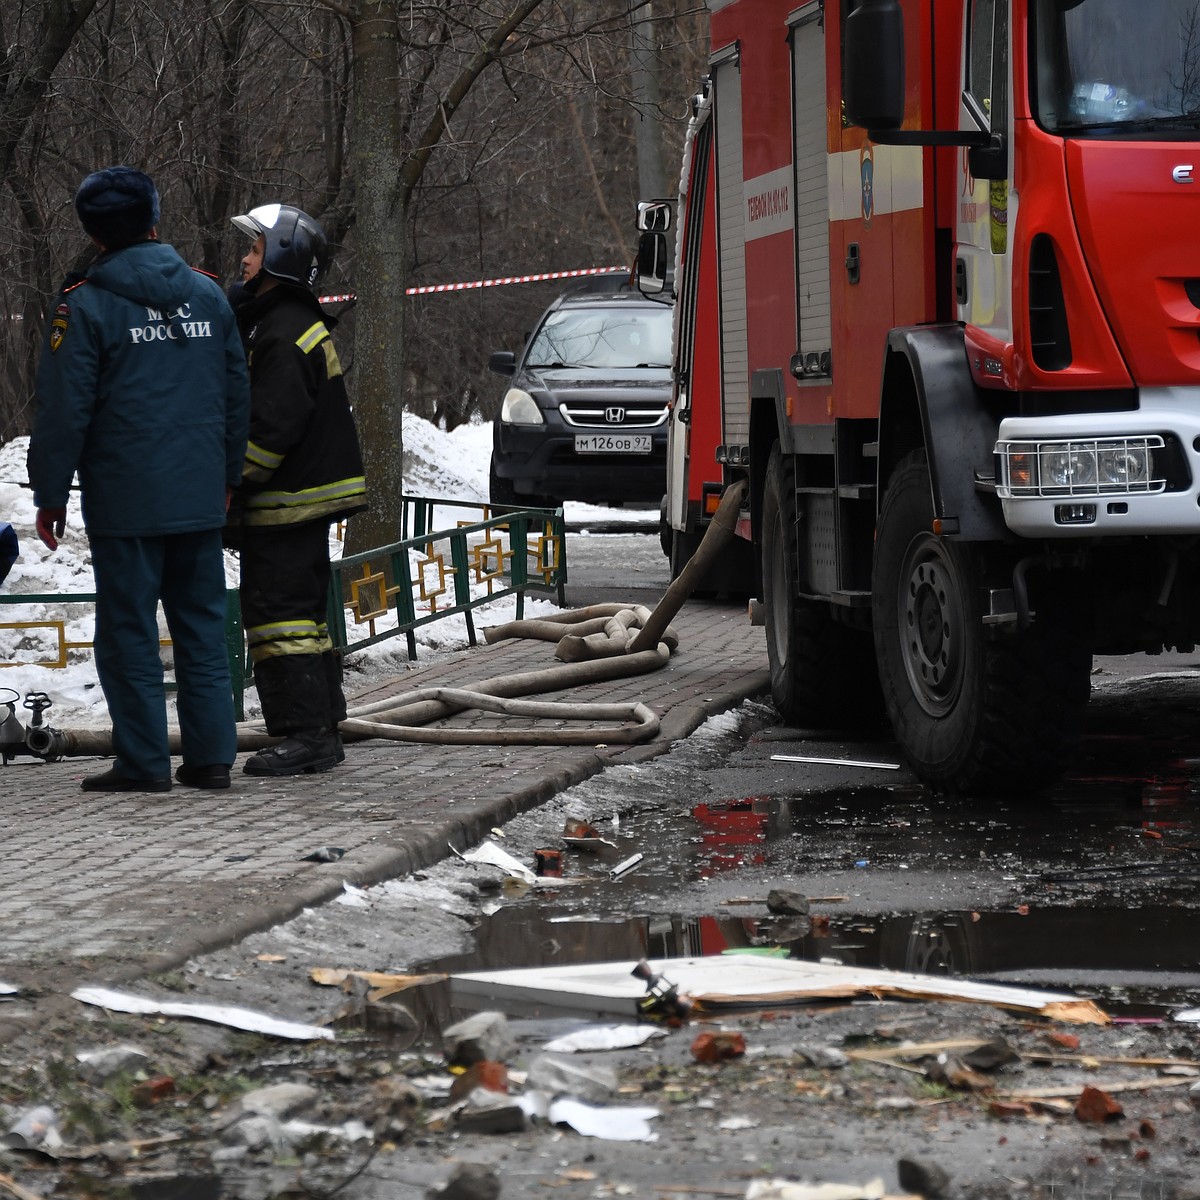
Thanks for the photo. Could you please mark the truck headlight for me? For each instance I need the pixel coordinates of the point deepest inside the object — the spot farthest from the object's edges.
(520, 408)
(1080, 467)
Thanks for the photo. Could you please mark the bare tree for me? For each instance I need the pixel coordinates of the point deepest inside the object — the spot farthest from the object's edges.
(437, 141)
(34, 37)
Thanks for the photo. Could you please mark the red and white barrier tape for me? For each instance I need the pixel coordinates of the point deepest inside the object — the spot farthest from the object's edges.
(485, 283)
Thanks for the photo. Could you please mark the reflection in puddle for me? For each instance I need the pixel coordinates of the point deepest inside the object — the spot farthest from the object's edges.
(1113, 860)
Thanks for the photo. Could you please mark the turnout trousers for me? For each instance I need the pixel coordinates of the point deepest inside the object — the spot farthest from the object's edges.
(187, 571)
(285, 598)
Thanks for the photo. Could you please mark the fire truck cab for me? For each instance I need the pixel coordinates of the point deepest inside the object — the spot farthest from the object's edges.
(937, 300)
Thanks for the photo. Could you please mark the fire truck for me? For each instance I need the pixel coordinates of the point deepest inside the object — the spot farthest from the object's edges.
(937, 283)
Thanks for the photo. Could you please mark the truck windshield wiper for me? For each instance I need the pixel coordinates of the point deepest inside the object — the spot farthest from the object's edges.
(1186, 123)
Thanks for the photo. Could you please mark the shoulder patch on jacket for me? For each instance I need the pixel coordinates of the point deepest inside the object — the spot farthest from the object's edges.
(58, 325)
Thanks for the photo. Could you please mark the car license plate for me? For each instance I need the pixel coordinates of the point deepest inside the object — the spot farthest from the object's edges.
(612, 443)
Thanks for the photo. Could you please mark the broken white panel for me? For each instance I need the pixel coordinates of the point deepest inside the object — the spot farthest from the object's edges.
(353, 897)
(612, 1123)
(604, 1037)
(491, 855)
(780, 1189)
(218, 1014)
(733, 981)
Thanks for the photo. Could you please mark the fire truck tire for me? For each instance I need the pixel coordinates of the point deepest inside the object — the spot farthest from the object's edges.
(822, 672)
(977, 711)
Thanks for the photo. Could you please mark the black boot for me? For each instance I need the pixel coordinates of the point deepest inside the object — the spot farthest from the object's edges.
(302, 751)
(331, 662)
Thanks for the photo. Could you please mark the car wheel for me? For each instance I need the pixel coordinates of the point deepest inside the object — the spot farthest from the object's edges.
(500, 491)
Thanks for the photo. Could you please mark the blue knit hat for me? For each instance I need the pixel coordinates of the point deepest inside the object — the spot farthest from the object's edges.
(117, 206)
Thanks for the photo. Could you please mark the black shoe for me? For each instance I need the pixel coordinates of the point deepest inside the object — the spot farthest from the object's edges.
(113, 781)
(306, 750)
(340, 752)
(215, 775)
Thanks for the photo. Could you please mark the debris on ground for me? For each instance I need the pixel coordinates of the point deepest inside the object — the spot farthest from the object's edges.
(221, 1014)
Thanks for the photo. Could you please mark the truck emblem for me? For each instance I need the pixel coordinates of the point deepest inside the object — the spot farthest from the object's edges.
(866, 170)
(614, 416)
(1182, 173)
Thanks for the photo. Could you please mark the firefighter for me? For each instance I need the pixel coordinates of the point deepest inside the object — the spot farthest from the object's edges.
(142, 388)
(303, 471)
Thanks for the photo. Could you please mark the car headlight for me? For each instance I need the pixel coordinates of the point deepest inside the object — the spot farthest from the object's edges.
(520, 408)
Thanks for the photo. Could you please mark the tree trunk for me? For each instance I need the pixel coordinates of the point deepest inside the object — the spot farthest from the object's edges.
(381, 273)
(648, 130)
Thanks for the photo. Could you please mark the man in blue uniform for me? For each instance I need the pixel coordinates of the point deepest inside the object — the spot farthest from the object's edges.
(303, 471)
(143, 390)
(9, 549)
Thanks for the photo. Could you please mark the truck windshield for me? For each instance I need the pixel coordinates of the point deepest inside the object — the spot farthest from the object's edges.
(1101, 71)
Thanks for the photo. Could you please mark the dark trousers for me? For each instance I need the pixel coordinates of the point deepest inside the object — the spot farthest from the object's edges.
(187, 572)
(285, 598)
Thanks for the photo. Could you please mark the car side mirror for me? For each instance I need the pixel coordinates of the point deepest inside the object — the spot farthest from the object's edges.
(503, 362)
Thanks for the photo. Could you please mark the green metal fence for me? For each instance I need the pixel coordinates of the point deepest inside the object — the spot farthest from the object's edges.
(393, 590)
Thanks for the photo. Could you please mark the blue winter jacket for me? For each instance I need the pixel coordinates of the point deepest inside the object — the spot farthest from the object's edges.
(143, 389)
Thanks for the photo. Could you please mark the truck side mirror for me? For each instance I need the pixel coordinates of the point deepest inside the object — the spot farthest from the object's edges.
(654, 216)
(652, 266)
(873, 72)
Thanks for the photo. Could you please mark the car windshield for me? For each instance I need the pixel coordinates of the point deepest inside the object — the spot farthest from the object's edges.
(1098, 73)
(603, 338)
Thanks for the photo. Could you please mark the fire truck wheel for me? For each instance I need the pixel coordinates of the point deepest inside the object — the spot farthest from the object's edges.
(822, 672)
(977, 711)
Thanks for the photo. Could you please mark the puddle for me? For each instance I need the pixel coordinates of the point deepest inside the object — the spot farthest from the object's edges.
(1110, 864)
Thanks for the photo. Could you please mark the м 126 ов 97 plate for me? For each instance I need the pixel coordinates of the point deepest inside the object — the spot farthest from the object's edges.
(612, 443)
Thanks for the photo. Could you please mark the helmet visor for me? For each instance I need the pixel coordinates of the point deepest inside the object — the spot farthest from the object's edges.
(258, 220)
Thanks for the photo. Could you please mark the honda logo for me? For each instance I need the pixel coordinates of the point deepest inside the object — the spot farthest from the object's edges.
(614, 416)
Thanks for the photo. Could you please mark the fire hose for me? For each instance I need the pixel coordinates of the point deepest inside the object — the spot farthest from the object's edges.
(594, 644)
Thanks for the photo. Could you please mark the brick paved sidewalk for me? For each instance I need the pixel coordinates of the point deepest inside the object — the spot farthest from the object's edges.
(97, 887)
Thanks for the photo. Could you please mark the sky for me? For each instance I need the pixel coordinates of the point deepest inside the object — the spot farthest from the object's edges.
(450, 466)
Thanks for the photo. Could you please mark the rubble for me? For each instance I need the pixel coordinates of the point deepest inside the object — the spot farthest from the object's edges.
(482, 1036)
(557, 1076)
(470, 1181)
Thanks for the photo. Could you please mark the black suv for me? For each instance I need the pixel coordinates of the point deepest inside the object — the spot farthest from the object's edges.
(585, 417)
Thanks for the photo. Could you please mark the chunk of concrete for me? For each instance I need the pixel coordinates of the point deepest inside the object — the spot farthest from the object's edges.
(482, 1036)
(559, 1076)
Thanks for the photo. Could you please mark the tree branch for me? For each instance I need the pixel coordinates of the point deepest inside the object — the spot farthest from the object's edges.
(415, 164)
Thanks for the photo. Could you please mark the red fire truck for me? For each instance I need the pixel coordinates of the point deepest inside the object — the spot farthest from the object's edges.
(937, 278)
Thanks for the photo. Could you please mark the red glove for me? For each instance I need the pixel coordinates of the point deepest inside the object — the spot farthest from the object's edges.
(50, 525)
